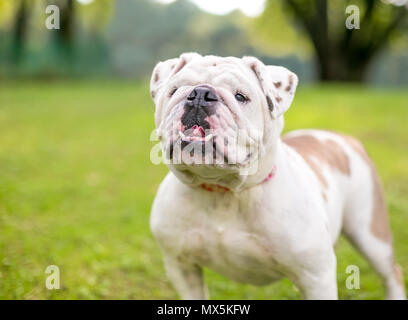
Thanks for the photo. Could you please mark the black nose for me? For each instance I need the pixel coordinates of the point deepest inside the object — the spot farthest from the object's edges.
(200, 104)
(202, 96)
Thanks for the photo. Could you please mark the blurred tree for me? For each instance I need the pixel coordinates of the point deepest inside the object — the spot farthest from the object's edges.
(96, 15)
(143, 32)
(343, 54)
(275, 34)
(78, 42)
(20, 31)
(64, 37)
(93, 16)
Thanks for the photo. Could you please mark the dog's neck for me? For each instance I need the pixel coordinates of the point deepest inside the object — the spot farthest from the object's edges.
(269, 163)
(219, 188)
(266, 171)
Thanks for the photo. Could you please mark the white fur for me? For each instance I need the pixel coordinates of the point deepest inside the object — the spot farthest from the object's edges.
(261, 232)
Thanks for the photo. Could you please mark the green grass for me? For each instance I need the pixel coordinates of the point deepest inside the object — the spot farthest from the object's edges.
(76, 187)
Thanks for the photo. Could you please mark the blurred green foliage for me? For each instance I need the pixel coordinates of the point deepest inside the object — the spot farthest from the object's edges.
(126, 38)
(120, 38)
(319, 26)
(76, 187)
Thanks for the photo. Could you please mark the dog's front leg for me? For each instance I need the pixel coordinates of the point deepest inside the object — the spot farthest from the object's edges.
(317, 280)
(187, 278)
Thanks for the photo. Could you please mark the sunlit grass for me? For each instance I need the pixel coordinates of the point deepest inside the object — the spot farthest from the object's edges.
(76, 186)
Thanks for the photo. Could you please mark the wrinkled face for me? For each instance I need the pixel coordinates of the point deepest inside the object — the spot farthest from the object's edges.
(212, 113)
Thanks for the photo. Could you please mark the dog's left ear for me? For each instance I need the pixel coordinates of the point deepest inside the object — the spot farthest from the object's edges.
(278, 84)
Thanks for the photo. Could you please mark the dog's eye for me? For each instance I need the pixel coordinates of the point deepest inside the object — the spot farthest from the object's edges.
(172, 92)
(240, 97)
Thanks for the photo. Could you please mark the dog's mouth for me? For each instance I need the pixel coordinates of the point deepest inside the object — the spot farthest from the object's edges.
(195, 133)
(197, 146)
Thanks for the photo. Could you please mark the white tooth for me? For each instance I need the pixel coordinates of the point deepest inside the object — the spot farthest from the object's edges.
(209, 137)
(182, 135)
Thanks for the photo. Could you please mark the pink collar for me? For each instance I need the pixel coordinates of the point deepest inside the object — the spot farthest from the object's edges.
(219, 188)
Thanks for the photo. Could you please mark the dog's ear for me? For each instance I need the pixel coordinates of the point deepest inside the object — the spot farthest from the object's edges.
(166, 69)
(278, 84)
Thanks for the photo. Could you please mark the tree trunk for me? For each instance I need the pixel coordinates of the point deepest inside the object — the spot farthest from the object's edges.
(345, 57)
(65, 35)
(342, 68)
(20, 30)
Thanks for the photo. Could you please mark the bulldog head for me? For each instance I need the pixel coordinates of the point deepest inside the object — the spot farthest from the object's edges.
(219, 118)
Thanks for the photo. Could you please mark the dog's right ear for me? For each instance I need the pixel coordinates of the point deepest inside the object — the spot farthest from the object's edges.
(166, 69)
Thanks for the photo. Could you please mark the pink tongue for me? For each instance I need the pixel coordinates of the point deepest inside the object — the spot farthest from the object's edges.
(198, 131)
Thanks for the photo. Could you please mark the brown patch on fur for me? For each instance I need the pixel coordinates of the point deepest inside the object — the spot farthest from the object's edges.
(289, 86)
(277, 84)
(258, 75)
(153, 93)
(327, 151)
(337, 158)
(278, 99)
(324, 196)
(156, 77)
(357, 147)
(380, 225)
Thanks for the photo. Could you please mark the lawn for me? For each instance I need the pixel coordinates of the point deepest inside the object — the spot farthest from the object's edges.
(76, 187)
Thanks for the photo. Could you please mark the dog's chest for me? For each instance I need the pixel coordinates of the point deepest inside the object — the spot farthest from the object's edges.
(231, 248)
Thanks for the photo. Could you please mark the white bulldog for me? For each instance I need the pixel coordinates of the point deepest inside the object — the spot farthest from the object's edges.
(247, 203)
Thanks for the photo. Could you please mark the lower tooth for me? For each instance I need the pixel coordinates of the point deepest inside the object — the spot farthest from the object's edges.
(208, 138)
